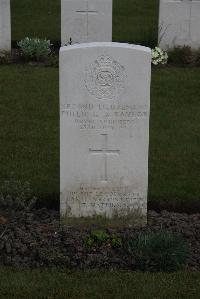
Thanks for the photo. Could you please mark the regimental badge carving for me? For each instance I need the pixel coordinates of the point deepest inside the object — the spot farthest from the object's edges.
(105, 78)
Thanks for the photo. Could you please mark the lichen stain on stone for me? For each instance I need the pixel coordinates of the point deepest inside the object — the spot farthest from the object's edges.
(132, 219)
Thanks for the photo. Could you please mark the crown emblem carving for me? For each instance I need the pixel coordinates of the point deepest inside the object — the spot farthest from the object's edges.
(105, 78)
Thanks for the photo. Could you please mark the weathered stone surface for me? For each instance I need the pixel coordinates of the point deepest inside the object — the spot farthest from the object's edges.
(104, 130)
(86, 21)
(5, 26)
(179, 23)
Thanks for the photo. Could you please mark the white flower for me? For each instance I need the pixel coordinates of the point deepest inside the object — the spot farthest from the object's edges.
(158, 56)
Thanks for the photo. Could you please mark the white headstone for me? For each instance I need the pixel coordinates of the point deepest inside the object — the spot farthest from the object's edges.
(104, 131)
(86, 21)
(5, 26)
(179, 23)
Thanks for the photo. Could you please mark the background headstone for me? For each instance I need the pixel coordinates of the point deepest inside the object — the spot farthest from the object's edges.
(86, 21)
(179, 23)
(104, 131)
(5, 26)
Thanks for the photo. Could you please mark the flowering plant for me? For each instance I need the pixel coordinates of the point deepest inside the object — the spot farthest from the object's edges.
(35, 48)
(158, 56)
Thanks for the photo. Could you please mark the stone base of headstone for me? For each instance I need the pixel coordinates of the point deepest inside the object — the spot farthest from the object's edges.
(135, 219)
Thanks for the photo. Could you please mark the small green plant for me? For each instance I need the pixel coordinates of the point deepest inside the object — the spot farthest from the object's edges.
(160, 251)
(53, 60)
(35, 48)
(5, 57)
(116, 242)
(98, 238)
(181, 55)
(16, 195)
(89, 242)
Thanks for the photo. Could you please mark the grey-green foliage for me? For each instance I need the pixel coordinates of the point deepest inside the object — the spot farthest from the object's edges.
(159, 251)
(35, 48)
(16, 195)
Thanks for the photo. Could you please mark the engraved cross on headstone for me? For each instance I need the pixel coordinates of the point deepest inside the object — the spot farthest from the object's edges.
(87, 12)
(105, 151)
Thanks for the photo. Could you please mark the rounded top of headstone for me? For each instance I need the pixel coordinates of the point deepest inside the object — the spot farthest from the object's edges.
(104, 45)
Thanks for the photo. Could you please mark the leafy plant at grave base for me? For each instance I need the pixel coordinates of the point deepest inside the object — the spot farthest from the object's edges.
(53, 60)
(16, 195)
(35, 48)
(197, 57)
(98, 238)
(116, 242)
(158, 251)
(158, 56)
(181, 55)
(5, 57)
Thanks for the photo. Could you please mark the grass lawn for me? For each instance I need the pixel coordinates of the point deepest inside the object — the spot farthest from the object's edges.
(39, 18)
(133, 20)
(29, 129)
(29, 133)
(54, 284)
(174, 138)
(136, 21)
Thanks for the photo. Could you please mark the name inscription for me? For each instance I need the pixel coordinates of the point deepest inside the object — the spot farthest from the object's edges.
(104, 116)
